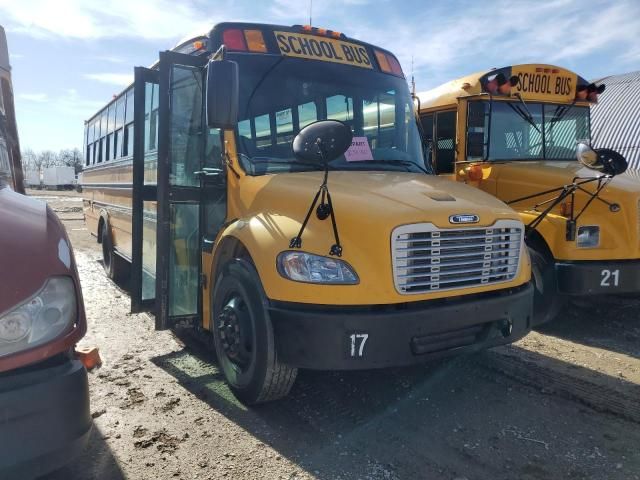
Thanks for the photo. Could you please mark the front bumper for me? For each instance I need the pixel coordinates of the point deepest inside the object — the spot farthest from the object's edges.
(591, 278)
(349, 338)
(44, 417)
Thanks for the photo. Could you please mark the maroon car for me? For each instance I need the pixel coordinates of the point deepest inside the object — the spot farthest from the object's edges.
(44, 398)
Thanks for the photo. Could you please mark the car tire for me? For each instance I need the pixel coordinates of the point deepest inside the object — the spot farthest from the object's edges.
(243, 337)
(547, 302)
(115, 266)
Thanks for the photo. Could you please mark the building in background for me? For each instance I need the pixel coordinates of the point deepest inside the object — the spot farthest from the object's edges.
(615, 119)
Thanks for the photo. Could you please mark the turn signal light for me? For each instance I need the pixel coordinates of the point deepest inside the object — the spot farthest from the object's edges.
(475, 173)
(499, 84)
(589, 92)
(255, 41)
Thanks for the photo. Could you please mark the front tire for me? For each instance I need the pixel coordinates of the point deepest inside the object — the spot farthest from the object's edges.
(243, 337)
(547, 302)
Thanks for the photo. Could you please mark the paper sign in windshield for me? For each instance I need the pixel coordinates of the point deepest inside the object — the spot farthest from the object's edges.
(359, 150)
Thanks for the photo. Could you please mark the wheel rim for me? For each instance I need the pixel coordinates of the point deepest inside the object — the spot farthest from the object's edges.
(236, 333)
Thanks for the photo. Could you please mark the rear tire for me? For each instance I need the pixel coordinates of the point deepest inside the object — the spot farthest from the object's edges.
(243, 337)
(547, 302)
(115, 266)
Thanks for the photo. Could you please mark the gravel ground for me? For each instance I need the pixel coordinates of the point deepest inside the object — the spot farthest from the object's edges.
(561, 403)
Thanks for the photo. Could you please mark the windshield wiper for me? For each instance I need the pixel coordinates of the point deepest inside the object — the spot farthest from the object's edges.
(278, 161)
(404, 163)
(524, 114)
(560, 113)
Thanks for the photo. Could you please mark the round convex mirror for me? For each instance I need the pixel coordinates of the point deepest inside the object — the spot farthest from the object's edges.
(322, 141)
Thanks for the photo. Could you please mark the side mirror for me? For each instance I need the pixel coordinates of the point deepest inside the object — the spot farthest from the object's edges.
(604, 160)
(222, 94)
(323, 141)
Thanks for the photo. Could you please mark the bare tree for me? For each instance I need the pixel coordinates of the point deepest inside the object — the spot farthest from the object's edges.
(48, 158)
(71, 158)
(30, 161)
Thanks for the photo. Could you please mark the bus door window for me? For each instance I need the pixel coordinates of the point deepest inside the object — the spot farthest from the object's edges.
(215, 193)
(445, 142)
(186, 130)
(151, 133)
(426, 121)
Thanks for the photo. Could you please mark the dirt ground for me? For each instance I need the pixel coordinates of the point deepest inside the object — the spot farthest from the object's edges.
(561, 403)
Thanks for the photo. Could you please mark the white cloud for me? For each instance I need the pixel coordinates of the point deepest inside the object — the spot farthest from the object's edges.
(33, 97)
(78, 19)
(120, 79)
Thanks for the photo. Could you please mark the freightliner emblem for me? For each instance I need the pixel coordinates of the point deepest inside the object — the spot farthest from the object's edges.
(464, 218)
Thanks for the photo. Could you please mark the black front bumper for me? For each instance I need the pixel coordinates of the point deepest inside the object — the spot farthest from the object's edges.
(44, 417)
(345, 338)
(592, 278)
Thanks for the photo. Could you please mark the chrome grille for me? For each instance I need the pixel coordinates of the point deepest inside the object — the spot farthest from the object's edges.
(426, 258)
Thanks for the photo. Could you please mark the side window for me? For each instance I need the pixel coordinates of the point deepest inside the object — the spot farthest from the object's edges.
(445, 142)
(307, 113)
(284, 126)
(263, 131)
(340, 107)
(379, 119)
(127, 142)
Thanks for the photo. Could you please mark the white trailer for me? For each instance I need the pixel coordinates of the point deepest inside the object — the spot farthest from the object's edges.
(32, 179)
(57, 178)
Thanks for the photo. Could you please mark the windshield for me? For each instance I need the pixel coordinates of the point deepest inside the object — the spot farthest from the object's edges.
(279, 96)
(525, 131)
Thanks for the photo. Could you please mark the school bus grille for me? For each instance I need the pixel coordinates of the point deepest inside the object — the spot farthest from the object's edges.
(426, 258)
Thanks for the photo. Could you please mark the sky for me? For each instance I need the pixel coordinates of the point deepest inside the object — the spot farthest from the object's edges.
(70, 57)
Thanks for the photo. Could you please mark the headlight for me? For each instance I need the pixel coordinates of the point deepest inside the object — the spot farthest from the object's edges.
(309, 268)
(588, 236)
(40, 319)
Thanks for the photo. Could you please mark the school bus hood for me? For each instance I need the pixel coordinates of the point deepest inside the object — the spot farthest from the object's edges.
(517, 178)
(368, 207)
(382, 198)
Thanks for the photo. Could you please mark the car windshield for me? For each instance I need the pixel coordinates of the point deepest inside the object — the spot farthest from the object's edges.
(280, 95)
(531, 131)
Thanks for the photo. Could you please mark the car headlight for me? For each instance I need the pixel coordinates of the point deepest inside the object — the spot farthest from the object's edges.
(588, 236)
(41, 318)
(310, 268)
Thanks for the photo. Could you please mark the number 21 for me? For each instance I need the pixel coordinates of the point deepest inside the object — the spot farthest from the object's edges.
(607, 276)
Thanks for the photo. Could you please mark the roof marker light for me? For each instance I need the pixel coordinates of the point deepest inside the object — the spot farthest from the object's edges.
(255, 41)
(234, 40)
(382, 61)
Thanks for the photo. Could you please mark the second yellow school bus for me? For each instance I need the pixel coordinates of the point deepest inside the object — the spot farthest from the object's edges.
(513, 132)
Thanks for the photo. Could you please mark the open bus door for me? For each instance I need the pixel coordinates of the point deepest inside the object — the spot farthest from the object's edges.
(145, 190)
(191, 189)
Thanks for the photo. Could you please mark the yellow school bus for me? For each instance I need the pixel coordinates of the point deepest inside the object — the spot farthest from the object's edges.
(513, 132)
(266, 186)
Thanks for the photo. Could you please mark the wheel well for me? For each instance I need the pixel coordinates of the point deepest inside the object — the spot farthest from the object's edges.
(536, 241)
(230, 247)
